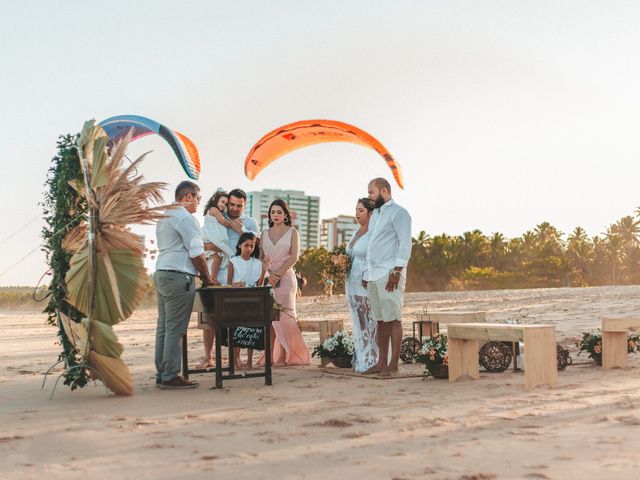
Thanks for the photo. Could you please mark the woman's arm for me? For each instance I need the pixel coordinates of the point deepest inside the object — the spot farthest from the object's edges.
(262, 272)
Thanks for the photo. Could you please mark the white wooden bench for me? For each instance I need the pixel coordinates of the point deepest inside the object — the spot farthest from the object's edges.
(540, 344)
(326, 328)
(615, 332)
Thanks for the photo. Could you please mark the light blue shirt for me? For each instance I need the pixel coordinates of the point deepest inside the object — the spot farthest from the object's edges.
(248, 225)
(389, 241)
(179, 240)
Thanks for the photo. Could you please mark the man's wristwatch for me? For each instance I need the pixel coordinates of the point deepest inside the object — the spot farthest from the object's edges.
(396, 273)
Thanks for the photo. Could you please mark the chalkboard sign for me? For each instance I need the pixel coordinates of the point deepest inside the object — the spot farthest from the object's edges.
(249, 337)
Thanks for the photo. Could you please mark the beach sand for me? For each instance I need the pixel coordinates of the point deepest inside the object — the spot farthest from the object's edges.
(313, 424)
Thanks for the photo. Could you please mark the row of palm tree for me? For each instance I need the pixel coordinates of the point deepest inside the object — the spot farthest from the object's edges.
(542, 257)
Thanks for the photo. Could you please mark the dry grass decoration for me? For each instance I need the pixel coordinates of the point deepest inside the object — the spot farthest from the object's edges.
(109, 292)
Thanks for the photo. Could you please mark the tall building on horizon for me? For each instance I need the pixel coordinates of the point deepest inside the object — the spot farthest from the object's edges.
(305, 211)
(337, 231)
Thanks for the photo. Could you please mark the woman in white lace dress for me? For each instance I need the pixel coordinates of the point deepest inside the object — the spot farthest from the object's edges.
(364, 328)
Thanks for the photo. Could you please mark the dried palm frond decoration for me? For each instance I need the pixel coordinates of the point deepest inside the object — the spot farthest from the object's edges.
(106, 277)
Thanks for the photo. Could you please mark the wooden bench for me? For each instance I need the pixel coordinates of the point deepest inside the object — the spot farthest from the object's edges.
(432, 321)
(453, 317)
(615, 332)
(540, 343)
(326, 328)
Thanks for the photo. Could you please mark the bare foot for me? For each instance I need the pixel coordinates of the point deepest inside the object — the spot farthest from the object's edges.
(388, 372)
(205, 363)
(241, 366)
(372, 370)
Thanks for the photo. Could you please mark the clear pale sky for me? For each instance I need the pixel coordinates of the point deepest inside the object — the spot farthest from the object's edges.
(502, 114)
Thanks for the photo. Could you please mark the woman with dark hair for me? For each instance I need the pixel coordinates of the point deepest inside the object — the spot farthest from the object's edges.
(364, 328)
(279, 251)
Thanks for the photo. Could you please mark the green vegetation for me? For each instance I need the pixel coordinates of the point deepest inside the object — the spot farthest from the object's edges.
(542, 257)
(63, 209)
(21, 298)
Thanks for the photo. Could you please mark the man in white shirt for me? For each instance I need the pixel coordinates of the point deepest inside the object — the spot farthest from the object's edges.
(180, 258)
(385, 276)
(237, 223)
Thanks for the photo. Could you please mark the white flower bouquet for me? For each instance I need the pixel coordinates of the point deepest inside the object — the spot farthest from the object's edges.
(340, 345)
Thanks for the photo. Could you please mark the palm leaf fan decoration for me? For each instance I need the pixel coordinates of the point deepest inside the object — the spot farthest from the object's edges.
(106, 277)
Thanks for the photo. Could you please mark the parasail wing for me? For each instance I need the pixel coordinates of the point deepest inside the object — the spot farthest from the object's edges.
(185, 150)
(302, 134)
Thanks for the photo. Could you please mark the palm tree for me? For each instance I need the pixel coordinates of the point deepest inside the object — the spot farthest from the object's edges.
(498, 251)
(614, 244)
(580, 256)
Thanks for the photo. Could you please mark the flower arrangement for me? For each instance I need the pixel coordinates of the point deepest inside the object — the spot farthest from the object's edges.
(341, 345)
(592, 343)
(435, 357)
(335, 267)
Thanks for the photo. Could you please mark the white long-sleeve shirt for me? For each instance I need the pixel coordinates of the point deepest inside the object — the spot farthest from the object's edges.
(179, 240)
(389, 241)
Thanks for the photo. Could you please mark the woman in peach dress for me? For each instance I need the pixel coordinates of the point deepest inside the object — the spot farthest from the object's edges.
(279, 250)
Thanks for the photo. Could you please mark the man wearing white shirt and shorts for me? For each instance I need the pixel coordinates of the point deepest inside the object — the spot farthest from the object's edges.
(385, 277)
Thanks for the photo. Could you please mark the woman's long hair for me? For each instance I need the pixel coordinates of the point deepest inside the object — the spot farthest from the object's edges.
(282, 204)
(243, 238)
(213, 201)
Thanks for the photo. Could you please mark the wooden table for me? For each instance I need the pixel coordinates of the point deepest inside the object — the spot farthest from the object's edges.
(228, 308)
(615, 334)
(540, 346)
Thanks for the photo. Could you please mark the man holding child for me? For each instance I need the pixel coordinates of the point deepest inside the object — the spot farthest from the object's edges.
(230, 215)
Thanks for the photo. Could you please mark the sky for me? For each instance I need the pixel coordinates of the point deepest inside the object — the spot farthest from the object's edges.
(502, 114)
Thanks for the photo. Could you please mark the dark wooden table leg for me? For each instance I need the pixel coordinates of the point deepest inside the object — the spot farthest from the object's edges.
(267, 355)
(218, 356)
(185, 358)
(232, 353)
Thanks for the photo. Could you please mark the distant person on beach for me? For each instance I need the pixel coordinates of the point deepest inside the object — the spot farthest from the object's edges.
(364, 328)
(301, 284)
(180, 258)
(385, 275)
(236, 223)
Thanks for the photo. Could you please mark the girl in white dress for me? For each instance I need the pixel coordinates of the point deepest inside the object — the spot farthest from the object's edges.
(214, 231)
(245, 270)
(364, 328)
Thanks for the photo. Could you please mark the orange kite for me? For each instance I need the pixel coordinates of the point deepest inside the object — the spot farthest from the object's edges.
(301, 134)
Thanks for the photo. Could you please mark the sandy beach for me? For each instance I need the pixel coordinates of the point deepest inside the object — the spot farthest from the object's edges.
(314, 424)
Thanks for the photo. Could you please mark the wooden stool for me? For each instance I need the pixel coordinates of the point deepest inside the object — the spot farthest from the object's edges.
(615, 333)
(326, 328)
(540, 343)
